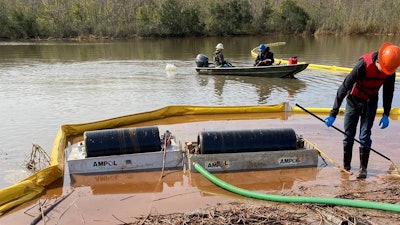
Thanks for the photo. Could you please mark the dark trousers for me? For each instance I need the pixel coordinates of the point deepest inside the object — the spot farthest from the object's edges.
(359, 111)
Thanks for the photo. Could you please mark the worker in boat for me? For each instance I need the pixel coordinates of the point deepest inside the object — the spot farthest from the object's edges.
(361, 88)
(264, 57)
(219, 60)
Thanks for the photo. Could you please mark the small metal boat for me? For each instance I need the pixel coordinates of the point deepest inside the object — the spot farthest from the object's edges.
(273, 71)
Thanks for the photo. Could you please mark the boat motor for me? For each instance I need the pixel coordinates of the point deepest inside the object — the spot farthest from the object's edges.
(201, 60)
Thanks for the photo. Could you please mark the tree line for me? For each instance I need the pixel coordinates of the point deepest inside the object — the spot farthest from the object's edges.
(43, 19)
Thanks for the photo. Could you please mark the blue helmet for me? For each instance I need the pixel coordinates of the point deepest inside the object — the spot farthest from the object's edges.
(262, 47)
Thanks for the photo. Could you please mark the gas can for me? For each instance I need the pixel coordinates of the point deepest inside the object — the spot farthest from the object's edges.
(293, 60)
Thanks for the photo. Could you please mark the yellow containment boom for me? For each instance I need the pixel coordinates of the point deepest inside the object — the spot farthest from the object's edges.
(254, 53)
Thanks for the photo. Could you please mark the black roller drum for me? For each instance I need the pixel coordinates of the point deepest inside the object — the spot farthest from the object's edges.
(122, 141)
(212, 142)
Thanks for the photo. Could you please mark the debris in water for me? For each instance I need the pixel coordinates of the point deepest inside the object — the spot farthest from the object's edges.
(393, 169)
(170, 67)
(38, 159)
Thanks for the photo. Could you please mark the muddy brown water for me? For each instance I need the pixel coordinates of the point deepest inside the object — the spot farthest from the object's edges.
(115, 197)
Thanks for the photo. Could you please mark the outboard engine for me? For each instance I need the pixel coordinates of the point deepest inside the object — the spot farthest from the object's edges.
(201, 60)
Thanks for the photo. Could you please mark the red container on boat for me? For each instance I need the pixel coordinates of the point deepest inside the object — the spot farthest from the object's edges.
(293, 60)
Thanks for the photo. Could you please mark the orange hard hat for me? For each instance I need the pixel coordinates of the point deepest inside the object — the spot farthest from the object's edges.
(389, 58)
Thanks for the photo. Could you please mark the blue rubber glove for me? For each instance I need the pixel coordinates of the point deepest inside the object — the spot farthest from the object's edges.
(329, 121)
(384, 122)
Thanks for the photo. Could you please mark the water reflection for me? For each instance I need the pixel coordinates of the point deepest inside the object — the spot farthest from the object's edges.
(151, 182)
(127, 182)
(263, 86)
(269, 180)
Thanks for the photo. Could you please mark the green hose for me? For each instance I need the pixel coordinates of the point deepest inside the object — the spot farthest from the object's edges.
(297, 199)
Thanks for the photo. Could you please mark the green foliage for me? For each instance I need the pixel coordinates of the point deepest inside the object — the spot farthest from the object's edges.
(191, 21)
(169, 18)
(4, 21)
(293, 18)
(170, 21)
(23, 24)
(144, 20)
(229, 17)
(262, 23)
(218, 22)
(22, 19)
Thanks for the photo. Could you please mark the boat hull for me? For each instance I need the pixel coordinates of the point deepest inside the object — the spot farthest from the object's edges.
(275, 71)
